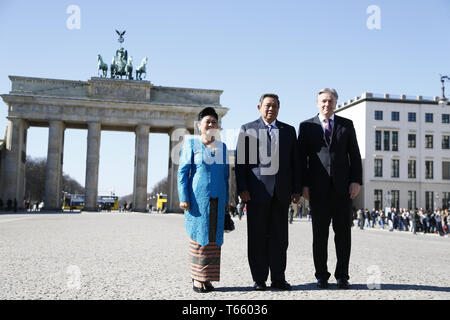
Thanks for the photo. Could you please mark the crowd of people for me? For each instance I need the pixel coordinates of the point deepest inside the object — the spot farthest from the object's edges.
(10, 205)
(419, 220)
(31, 206)
(240, 210)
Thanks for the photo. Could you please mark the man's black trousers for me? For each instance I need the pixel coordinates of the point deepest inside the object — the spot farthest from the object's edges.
(267, 231)
(335, 208)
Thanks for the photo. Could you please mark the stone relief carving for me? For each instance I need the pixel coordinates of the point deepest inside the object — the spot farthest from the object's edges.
(110, 91)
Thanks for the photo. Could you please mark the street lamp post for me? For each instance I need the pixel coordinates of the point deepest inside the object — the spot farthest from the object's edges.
(443, 100)
(388, 198)
(437, 201)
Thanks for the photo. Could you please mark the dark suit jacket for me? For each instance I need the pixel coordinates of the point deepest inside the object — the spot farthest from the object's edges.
(250, 169)
(340, 161)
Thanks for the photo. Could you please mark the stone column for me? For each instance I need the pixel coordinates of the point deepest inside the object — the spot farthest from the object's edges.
(176, 143)
(15, 160)
(53, 171)
(92, 162)
(141, 168)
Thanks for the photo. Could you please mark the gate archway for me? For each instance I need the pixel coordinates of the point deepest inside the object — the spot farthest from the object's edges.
(95, 105)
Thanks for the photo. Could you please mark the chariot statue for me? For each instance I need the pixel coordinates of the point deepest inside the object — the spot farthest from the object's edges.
(121, 64)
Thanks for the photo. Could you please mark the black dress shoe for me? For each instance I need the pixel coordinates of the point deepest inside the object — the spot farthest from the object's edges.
(322, 283)
(281, 285)
(259, 286)
(197, 289)
(208, 287)
(343, 284)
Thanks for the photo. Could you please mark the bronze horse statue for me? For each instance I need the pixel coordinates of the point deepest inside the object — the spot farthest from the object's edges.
(102, 66)
(141, 69)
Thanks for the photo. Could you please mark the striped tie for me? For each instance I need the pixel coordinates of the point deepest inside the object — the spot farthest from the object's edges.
(328, 130)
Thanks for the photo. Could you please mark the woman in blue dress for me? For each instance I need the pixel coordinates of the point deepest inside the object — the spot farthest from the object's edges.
(203, 175)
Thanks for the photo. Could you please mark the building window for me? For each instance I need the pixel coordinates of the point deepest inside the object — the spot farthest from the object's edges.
(411, 117)
(445, 142)
(378, 115)
(386, 140)
(395, 202)
(394, 141)
(378, 199)
(428, 169)
(429, 141)
(412, 204)
(446, 170)
(411, 140)
(378, 167)
(387, 135)
(377, 140)
(445, 118)
(429, 197)
(429, 117)
(411, 169)
(395, 116)
(395, 168)
(446, 200)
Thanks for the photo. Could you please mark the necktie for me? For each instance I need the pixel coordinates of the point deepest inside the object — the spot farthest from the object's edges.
(328, 130)
(270, 132)
(270, 136)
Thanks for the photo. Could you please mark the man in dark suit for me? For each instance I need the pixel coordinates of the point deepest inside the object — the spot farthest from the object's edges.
(267, 179)
(331, 170)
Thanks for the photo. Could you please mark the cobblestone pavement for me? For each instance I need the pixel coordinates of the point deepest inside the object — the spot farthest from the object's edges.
(145, 256)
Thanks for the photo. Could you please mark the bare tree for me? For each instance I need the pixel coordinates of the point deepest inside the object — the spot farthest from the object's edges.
(35, 180)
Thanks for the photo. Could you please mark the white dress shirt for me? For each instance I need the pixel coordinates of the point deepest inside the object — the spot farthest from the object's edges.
(274, 126)
(324, 124)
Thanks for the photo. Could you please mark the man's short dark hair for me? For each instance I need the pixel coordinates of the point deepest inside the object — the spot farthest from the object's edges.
(208, 111)
(269, 95)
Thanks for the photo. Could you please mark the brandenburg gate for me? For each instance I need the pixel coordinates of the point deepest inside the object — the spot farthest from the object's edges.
(97, 104)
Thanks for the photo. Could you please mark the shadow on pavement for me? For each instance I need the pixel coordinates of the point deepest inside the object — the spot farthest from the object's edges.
(383, 286)
(333, 286)
(394, 287)
(233, 289)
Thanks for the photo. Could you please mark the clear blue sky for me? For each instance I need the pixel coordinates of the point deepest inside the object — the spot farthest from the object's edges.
(245, 48)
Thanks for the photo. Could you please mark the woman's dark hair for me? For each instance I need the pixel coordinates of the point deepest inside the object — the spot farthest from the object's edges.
(208, 111)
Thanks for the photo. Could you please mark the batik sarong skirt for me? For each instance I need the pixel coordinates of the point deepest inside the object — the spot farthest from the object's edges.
(205, 260)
